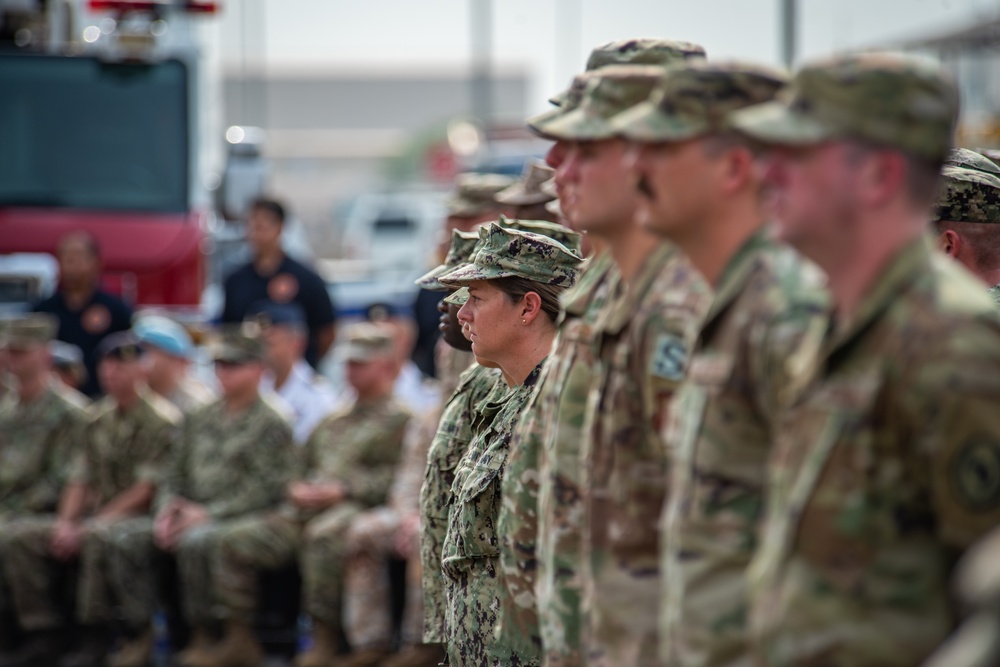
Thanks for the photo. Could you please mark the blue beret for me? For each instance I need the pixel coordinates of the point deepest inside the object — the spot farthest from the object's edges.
(164, 334)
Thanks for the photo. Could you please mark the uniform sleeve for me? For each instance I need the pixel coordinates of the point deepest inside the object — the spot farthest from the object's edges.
(368, 483)
(156, 452)
(268, 469)
(78, 468)
(404, 496)
(963, 442)
(61, 448)
(171, 481)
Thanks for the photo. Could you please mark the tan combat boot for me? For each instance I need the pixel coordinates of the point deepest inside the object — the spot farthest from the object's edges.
(239, 648)
(197, 649)
(134, 652)
(324, 650)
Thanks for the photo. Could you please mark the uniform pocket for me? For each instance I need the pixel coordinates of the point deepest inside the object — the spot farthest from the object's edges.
(478, 507)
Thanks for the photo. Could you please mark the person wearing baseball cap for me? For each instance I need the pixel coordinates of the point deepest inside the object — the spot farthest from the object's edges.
(168, 352)
(702, 191)
(514, 280)
(880, 482)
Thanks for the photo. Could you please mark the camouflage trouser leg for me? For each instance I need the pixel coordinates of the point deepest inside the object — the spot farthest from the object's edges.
(132, 574)
(93, 603)
(245, 547)
(29, 571)
(195, 555)
(322, 562)
(432, 530)
(367, 612)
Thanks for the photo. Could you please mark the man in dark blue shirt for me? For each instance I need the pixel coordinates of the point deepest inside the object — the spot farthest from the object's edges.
(86, 314)
(272, 275)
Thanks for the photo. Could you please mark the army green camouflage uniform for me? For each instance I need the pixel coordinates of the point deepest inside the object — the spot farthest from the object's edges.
(883, 471)
(454, 433)
(371, 541)
(118, 449)
(359, 447)
(233, 464)
(471, 546)
(36, 441)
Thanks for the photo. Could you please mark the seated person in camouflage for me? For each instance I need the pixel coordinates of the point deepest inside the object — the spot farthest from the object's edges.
(39, 422)
(233, 459)
(167, 362)
(113, 478)
(346, 466)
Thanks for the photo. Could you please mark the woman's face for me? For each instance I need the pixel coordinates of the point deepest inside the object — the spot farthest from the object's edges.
(492, 322)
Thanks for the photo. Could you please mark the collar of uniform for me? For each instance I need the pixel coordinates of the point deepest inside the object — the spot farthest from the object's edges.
(907, 266)
(576, 300)
(533, 376)
(734, 276)
(622, 311)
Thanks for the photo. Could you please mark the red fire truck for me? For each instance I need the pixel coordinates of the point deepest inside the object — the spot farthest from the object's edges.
(103, 128)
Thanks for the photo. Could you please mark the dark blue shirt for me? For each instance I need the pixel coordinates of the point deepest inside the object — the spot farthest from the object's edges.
(291, 282)
(104, 314)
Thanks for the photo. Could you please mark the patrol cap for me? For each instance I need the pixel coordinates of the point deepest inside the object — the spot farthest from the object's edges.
(511, 253)
(473, 194)
(164, 334)
(238, 343)
(121, 345)
(893, 100)
(568, 100)
(364, 342)
(697, 99)
(462, 245)
(65, 354)
(458, 297)
(268, 313)
(969, 195)
(640, 51)
(969, 159)
(528, 189)
(28, 330)
(608, 93)
(568, 237)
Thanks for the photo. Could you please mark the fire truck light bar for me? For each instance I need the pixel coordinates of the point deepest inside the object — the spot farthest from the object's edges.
(192, 6)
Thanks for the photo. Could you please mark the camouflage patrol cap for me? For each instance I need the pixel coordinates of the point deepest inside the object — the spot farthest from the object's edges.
(462, 246)
(969, 159)
(969, 196)
(568, 100)
(121, 345)
(898, 101)
(512, 253)
(473, 194)
(458, 297)
(566, 236)
(528, 189)
(238, 343)
(28, 330)
(640, 51)
(609, 92)
(697, 99)
(364, 342)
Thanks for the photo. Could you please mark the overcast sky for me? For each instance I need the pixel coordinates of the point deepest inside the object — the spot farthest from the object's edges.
(550, 39)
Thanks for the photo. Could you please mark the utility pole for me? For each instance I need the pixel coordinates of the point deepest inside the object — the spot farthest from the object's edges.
(481, 14)
(789, 24)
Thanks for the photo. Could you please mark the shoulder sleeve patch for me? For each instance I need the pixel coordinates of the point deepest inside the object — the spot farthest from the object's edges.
(670, 355)
(975, 474)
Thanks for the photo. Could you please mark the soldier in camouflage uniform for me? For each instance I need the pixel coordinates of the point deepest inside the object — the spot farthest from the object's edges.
(885, 465)
(514, 281)
(768, 309)
(346, 466)
(233, 459)
(40, 423)
(454, 432)
(113, 478)
(550, 435)
(967, 219)
(641, 340)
